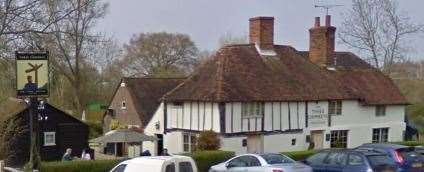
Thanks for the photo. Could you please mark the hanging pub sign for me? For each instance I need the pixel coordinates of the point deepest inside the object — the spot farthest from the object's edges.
(32, 73)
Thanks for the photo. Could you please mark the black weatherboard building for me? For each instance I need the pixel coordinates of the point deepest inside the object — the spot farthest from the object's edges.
(57, 132)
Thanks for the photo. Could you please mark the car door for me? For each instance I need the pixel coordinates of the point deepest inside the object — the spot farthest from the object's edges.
(355, 163)
(335, 162)
(253, 164)
(236, 165)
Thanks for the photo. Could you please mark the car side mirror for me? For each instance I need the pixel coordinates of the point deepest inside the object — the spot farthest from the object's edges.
(229, 165)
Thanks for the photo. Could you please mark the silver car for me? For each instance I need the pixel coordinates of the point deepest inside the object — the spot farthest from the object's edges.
(261, 163)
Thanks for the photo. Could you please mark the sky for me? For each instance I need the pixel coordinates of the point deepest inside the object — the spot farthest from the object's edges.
(205, 21)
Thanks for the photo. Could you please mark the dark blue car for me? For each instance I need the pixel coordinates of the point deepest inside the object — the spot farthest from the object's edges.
(405, 157)
(347, 160)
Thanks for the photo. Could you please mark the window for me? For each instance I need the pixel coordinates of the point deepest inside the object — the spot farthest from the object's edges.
(293, 142)
(251, 109)
(120, 168)
(244, 161)
(355, 160)
(49, 138)
(185, 167)
(380, 135)
(123, 105)
(335, 107)
(317, 159)
(338, 139)
(380, 110)
(276, 159)
(170, 168)
(189, 142)
(336, 159)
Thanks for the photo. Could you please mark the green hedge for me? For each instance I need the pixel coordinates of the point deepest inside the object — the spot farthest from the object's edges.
(410, 143)
(205, 159)
(300, 155)
(79, 166)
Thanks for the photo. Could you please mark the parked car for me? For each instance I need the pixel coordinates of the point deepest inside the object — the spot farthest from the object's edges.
(261, 163)
(157, 164)
(405, 157)
(348, 160)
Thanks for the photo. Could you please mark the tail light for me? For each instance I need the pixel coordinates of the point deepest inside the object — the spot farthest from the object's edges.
(398, 157)
(277, 170)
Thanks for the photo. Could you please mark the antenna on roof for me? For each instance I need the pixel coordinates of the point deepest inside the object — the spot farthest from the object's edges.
(327, 7)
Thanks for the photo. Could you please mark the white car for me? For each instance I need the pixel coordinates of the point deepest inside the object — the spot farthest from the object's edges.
(157, 164)
(261, 163)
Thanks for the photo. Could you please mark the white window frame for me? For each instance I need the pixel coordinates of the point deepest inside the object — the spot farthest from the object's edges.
(49, 143)
(338, 107)
(380, 135)
(124, 105)
(380, 110)
(252, 109)
(189, 143)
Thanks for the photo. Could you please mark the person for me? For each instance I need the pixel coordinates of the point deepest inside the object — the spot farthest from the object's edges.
(146, 153)
(165, 152)
(85, 154)
(68, 155)
(30, 86)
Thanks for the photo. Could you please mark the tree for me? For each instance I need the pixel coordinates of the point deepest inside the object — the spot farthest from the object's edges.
(377, 30)
(208, 140)
(159, 54)
(71, 42)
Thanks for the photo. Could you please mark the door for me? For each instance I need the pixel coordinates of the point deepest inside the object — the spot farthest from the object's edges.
(255, 144)
(160, 144)
(245, 163)
(317, 138)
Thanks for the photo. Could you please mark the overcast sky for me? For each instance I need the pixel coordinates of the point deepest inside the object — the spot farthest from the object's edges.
(207, 20)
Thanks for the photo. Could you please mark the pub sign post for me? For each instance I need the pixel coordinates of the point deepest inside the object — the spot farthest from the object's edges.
(32, 81)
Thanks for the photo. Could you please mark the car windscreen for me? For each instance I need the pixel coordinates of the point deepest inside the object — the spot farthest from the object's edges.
(276, 159)
(379, 160)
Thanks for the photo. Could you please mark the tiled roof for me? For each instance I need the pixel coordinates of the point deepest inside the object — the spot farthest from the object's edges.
(239, 73)
(146, 93)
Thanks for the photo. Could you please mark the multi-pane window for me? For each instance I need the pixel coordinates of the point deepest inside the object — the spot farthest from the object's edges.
(380, 135)
(189, 142)
(380, 110)
(49, 138)
(339, 138)
(335, 107)
(252, 109)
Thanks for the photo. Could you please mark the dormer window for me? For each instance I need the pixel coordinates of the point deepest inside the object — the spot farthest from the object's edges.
(252, 109)
(123, 105)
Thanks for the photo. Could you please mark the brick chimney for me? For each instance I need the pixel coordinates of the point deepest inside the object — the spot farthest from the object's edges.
(261, 32)
(322, 43)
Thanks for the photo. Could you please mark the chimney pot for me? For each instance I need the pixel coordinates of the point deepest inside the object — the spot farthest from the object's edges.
(317, 22)
(261, 32)
(328, 20)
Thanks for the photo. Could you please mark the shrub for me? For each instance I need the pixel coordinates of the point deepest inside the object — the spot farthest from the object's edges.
(79, 166)
(410, 143)
(208, 140)
(300, 155)
(206, 159)
(95, 129)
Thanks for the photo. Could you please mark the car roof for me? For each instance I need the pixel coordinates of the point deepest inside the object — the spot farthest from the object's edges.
(361, 151)
(384, 145)
(157, 159)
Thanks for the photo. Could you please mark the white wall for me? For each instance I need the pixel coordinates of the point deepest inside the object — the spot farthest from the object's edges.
(173, 141)
(194, 116)
(275, 143)
(233, 144)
